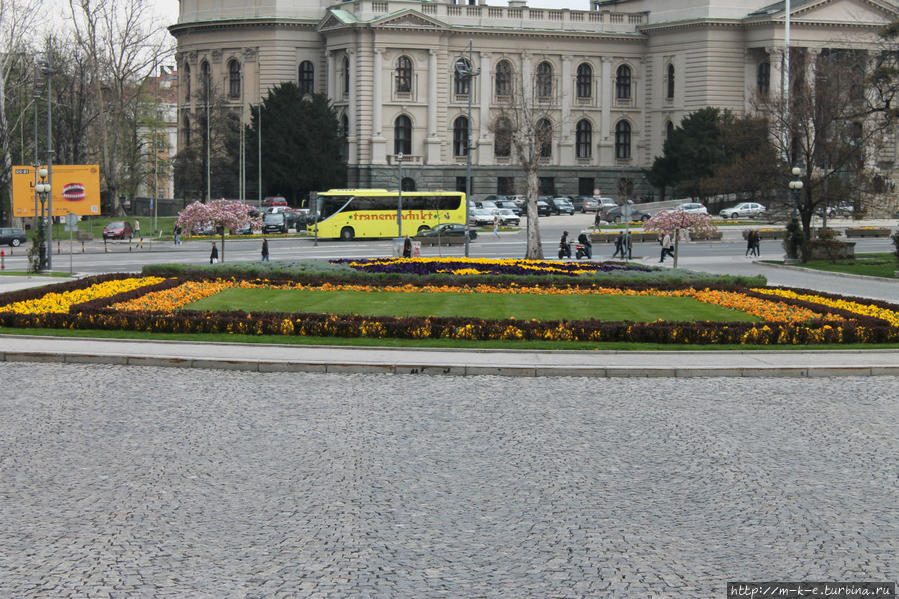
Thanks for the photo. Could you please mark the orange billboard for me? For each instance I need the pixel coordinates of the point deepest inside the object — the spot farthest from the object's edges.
(76, 190)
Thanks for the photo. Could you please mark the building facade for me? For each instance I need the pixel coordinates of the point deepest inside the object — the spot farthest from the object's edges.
(611, 81)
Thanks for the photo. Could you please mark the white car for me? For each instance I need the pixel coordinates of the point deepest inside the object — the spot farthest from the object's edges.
(744, 210)
(692, 207)
(480, 216)
(507, 217)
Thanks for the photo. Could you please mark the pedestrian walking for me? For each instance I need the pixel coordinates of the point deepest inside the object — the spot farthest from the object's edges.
(137, 229)
(496, 226)
(214, 256)
(619, 244)
(596, 219)
(667, 247)
(756, 243)
(265, 250)
(750, 242)
(628, 245)
(177, 233)
(407, 247)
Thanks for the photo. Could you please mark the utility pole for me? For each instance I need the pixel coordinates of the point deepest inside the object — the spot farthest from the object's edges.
(48, 71)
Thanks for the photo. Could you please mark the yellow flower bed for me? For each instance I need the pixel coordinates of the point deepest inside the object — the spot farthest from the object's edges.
(890, 316)
(60, 302)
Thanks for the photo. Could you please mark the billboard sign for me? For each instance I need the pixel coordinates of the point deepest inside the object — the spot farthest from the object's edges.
(76, 190)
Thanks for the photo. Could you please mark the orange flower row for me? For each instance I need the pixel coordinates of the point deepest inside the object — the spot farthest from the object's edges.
(169, 300)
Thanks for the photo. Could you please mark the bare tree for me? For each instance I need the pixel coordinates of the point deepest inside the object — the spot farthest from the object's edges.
(524, 128)
(123, 43)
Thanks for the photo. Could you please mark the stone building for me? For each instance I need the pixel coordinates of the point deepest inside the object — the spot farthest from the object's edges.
(613, 79)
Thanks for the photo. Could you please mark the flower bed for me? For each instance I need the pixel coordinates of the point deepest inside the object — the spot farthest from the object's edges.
(484, 266)
(155, 304)
(867, 232)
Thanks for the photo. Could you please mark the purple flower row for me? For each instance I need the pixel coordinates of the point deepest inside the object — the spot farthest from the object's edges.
(498, 267)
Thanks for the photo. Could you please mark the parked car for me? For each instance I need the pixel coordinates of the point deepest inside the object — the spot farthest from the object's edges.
(274, 222)
(274, 201)
(486, 205)
(118, 229)
(247, 229)
(692, 207)
(614, 215)
(605, 203)
(12, 236)
(584, 204)
(203, 230)
(507, 217)
(479, 216)
(290, 215)
(509, 205)
(495, 198)
(543, 208)
(743, 210)
(841, 209)
(561, 205)
(449, 230)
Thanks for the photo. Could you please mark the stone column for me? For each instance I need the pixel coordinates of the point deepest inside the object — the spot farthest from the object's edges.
(332, 77)
(776, 82)
(378, 143)
(432, 142)
(607, 92)
(566, 92)
(352, 139)
(485, 141)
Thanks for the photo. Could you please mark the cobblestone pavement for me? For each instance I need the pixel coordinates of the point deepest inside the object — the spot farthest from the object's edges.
(145, 482)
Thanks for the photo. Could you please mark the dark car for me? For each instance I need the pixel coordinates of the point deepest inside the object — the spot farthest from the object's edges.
(449, 230)
(118, 229)
(12, 236)
(584, 204)
(247, 229)
(543, 208)
(614, 215)
(509, 205)
(561, 205)
(274, 222)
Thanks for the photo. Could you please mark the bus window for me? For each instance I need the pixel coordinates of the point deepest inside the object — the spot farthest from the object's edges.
(332, 204)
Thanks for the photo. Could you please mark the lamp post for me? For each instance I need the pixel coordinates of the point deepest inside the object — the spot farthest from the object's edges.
(42, 188)
(48, 71)
(464, 71)
(794, 236)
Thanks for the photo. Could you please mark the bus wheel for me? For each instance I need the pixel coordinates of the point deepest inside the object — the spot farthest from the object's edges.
(424, 228)
(347, 234)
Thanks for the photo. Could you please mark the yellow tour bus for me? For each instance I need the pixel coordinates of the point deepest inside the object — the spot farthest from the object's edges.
(372, 213)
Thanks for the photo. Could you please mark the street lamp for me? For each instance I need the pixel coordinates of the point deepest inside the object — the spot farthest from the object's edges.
(42, 188)
(464, 71)
(793, 234)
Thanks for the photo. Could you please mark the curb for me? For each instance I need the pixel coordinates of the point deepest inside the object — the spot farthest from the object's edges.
(458, 369)
(845, 275)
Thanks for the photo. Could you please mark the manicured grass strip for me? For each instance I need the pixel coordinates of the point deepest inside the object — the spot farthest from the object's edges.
(23, 273)
(872, 265)
(435, 343)
(488, 306)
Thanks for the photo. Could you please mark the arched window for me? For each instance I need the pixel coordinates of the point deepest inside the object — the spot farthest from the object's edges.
(763, 78)
(461, 83)
(670, 81)
(544, 130)
(502, 144)
(504, 78)
(206, 79)
(233, 79)
(346, 75)
(186, 82)
(584, 80)
(403, 74)
(345, 125)
(408, 184)
(306, 77)
(584, 139)
(623, 140)
(186, 131)
(544, 80)
(623, 83)
(460, 136)
(669, 129)
(402, 135)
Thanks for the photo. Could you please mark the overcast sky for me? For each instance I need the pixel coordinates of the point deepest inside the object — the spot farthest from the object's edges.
(169, 8)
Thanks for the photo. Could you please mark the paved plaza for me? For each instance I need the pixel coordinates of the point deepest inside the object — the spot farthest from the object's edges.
(122, 481)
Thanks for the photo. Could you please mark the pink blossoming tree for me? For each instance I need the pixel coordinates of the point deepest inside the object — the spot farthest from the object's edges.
(676, 222)
(219, 214)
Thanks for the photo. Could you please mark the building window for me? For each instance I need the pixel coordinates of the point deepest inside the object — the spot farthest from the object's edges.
(623, 140)
(460, 136)
(763, 78)
(206, 80)
(504, 78)
(505, 186)
(345, 126)
(544, 130)
(547, 186)
(670, 81)
(669, 129)
(346, 75)
(584, 139)
(408, 184)
(544, 80)
(186, 131)
(402, 135)
(306, 77)
(462, 84)
(502, 144)
(623, 83)
(403, 74)
(462, 184)
(585, 186)
(233, 79)
(186, 82)
(584, 80)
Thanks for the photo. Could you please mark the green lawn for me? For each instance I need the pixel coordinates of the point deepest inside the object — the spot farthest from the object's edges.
(95, 224)
(438, 343)
(872, 265)
(493, 305)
